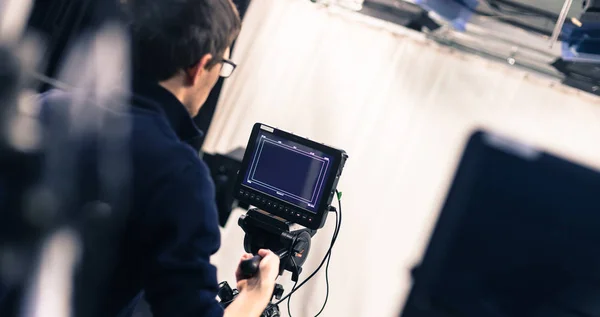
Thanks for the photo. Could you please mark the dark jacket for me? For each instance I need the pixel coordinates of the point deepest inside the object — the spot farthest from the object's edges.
(171, 229)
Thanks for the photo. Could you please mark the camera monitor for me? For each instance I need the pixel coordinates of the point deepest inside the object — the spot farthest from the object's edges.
(518, 236)
(289, 176)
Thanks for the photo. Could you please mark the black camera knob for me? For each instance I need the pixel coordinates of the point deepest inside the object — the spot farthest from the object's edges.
(250, 267)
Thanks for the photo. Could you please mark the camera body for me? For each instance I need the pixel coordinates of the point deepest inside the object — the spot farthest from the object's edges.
(289, 176)
(291, 181)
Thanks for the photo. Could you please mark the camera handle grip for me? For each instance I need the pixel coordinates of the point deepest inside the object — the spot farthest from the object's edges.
(249, 267)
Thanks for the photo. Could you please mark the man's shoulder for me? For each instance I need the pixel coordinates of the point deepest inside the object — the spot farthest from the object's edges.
(160, 157)
(153, 145)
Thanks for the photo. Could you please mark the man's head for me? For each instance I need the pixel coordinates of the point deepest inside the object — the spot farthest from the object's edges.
(182, 44)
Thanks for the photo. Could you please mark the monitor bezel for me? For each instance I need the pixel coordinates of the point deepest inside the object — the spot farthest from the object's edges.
(332, 177)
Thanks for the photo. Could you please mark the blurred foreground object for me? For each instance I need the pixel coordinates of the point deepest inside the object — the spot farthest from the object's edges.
(59, 220)
(25, 210)
(517, 236)
(19, 166)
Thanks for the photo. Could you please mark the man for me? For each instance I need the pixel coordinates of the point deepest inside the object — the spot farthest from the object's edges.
(179, 50)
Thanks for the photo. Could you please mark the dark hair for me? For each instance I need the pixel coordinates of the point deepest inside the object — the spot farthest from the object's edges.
(170, 35)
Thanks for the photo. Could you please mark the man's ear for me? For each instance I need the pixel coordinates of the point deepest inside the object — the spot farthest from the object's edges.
(192, 73)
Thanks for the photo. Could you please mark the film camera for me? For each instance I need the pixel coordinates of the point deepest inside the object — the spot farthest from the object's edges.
(291, 182)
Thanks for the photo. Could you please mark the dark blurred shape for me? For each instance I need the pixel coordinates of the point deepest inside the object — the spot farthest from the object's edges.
(580, 75)
(591, 11)
(224, 170)
(93, 204)
(581, 43)
(517, 236)
(583, 84)
(10, 76)
(18, 170)
(580, 60)
(402, 13)
(34, 206)
(59, 22)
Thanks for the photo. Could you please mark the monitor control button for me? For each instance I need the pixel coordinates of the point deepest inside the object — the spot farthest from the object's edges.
(310, 219)
(252, 196)
(298, 215)
(304, 217)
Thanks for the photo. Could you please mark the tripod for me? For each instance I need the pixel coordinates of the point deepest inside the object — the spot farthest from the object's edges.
(266, 231)
(228, 295)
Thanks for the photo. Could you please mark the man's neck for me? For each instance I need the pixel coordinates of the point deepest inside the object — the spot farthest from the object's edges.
(175, 86)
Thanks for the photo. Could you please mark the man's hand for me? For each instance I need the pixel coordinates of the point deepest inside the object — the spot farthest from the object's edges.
(263, 282)
(255, 292)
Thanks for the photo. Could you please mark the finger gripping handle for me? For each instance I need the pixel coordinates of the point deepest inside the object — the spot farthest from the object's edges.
(250, 267)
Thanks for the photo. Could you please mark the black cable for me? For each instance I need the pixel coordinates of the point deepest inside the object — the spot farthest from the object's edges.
(295, 283)
(339, 225)
(289, 301)
(326, 283)
(334, 238)
(313, 273)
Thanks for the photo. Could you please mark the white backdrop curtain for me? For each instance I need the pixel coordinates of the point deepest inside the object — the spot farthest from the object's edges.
(402, 107)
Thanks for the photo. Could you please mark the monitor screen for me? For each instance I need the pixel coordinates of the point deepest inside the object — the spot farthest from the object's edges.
(288, 171)
(518, 236)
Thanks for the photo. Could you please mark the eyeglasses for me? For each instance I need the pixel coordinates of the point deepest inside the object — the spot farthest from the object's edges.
(227, 68)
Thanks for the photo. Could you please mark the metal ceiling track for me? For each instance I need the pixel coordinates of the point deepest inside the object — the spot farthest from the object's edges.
(561, 22)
